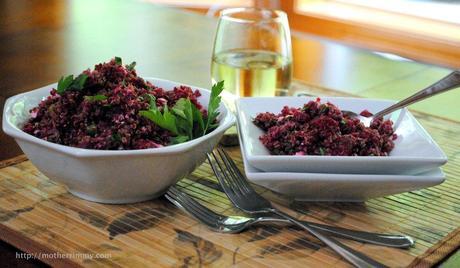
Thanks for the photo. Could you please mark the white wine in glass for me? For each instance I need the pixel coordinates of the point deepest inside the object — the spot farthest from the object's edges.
(250, 72)
(252, 52)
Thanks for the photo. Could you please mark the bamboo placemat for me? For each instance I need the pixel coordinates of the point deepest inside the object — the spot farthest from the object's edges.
(42, 218)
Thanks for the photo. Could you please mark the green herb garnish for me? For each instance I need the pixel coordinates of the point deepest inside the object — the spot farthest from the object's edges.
(91, 129)
(68, 83)
(164, 119)
(184, 120)
(64, 83)
(131, 66)
(118, 60)
(179, 139)
(321, 150)
(96, 98)
(323, 108)
(116, 137)
(214, 102)
(184, 117)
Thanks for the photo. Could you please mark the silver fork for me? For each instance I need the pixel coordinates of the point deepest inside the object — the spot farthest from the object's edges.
(243, 196)
(236, 224)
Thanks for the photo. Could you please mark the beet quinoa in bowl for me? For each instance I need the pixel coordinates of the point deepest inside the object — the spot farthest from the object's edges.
(111, 108)
(112, 137)
(322, 129)
(308, 132)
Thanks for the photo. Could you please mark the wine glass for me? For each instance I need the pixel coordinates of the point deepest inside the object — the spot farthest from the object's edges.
(252, 52)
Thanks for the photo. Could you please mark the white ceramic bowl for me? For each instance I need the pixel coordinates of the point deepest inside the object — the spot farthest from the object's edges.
(106, 176)
(343, 187)
(415, 151)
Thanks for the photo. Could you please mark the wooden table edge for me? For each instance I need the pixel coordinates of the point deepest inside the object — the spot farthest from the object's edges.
(13, 161)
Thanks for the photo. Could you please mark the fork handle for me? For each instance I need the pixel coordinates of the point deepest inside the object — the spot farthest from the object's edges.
(354, 257)
(388, 240)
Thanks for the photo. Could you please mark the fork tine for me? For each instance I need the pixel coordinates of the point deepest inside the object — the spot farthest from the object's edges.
(195, 205)
(221, 176)
(183, 198)
(249, 195)
(192, 202)
(238, 178)
(232, 163)
(173, 190)
(228, 175)
(188, 210)
(197, 213)
(218, 174)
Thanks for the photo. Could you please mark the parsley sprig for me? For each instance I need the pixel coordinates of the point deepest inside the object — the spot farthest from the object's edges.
(98, 97)
(184, 120)
(69, 83)
(163, 119)
(214, 102)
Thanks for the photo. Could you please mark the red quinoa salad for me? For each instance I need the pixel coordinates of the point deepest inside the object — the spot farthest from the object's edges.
(111, 108)
(322, 129)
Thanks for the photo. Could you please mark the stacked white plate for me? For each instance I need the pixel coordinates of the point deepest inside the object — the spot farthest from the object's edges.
(413, 164)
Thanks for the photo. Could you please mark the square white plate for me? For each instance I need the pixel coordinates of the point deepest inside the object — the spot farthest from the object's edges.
(339, 187)
(415, 151)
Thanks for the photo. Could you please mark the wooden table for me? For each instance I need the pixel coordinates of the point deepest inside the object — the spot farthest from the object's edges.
(42, 42)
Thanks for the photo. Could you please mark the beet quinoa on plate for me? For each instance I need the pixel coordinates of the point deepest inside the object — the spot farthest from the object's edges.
(111, 108)
(322, 129)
